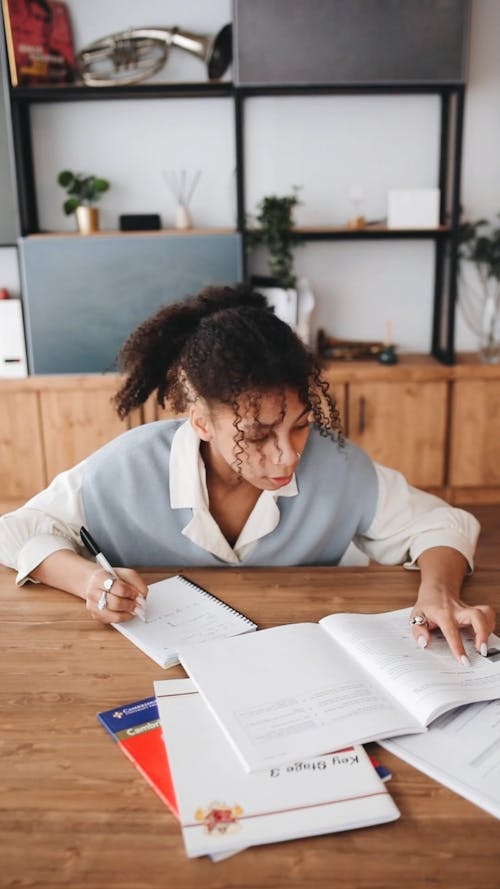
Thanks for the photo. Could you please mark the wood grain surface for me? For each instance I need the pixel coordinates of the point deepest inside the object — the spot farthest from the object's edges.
(75, 813)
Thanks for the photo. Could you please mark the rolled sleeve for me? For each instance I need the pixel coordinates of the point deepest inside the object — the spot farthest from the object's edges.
(408, 521)
(35, 551)
(49, 522)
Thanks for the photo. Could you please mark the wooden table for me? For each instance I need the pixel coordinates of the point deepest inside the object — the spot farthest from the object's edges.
(75, 813)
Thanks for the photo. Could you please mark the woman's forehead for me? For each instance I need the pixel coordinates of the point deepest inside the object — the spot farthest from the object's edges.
(269, 407)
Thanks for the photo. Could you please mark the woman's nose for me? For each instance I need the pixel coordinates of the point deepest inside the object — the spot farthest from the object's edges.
(284, 453)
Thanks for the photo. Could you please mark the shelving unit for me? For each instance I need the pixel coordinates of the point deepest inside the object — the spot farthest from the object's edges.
(22, 98)
(444, 238)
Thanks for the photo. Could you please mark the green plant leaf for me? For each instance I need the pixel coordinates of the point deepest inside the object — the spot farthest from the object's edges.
(70, 205)
(82, 189)
(101, 184)
(65, 178)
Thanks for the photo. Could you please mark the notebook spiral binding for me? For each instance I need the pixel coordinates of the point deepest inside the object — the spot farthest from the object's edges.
(219, 601)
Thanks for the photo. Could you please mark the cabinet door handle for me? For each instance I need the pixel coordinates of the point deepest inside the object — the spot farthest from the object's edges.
(362, 415)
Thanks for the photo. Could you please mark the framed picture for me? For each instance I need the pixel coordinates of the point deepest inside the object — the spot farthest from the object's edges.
(39, 42)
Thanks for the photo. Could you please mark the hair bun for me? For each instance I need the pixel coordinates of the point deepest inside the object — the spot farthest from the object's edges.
(216, 299)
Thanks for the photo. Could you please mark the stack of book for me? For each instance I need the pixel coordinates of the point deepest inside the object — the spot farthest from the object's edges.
(182, 752)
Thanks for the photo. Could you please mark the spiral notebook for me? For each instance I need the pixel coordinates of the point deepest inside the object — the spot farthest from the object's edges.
(180, 612)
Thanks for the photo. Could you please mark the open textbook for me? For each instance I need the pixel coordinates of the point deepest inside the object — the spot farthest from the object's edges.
(222, 808)
(180, 612)
(462, 751)
(300, 689)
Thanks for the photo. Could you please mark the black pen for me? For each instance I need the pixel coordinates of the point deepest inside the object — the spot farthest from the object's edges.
(94, 549)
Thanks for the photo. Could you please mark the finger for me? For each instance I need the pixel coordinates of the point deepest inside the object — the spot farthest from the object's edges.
(122, 590)
(125, 605)
(107, 615)
(421, 632)
(113, 597)
(422, 635)
(482, 621)
(138, 585)
(134, 580)
(452, 635)
(113, 608)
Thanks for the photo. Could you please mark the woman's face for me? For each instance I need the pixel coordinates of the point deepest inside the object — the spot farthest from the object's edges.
(263, 441)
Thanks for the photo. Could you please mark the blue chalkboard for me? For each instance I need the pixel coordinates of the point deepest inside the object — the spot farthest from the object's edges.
(84, 295)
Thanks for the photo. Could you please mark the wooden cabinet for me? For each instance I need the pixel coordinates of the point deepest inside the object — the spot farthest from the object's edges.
(76, 421)
(440, 426)
(402, 425)
(22, 460)
(398, 414)
(50, 423)
(475, 435)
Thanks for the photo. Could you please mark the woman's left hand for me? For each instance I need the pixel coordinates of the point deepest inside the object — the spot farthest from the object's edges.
(442, 571)
(448, 613)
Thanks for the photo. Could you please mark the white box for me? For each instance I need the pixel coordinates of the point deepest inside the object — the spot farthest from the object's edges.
(413, 208)
(12, 347)
(283, 301)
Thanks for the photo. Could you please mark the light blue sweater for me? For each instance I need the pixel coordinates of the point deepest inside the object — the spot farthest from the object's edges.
(126, 502)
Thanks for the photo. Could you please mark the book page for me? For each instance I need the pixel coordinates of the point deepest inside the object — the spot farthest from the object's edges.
(179, 612)
(223, 806)
(427, 681)
(462, 751)
(290, 691)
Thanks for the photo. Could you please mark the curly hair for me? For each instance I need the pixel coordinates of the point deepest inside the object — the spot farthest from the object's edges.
(218, 345)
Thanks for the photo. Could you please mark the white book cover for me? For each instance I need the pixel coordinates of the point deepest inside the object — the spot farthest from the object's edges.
(223, 808)
(178, 612)
(300, 689)
(462, 751)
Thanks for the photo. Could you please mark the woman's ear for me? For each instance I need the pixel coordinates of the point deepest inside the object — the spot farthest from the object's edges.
(200, 421)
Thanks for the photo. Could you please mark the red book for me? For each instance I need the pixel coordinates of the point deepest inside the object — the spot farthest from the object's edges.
(136, 729)
(39, 42)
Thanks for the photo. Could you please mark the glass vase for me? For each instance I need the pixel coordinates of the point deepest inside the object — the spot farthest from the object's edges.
(489, 339)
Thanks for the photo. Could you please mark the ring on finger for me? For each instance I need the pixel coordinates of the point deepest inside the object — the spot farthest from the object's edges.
(108, 583)
(418, 620)
(103, 601)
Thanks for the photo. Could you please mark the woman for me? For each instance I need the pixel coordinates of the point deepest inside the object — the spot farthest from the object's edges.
(259, 474)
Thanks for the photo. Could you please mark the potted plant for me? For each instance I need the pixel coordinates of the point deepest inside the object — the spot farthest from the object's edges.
(292, 299)
(479, 254)
(275, 227)
(84, 191)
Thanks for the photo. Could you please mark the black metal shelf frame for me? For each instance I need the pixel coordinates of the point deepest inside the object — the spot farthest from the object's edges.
(445, 238)
(452, 96)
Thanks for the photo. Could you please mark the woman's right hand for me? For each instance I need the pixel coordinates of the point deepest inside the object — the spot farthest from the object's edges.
(66, 570)
(125, 599)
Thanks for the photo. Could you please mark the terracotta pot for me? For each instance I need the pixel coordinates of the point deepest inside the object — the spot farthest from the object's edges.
(87, 219)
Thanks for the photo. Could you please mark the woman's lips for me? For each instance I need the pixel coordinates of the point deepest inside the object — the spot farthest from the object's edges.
(281, 480)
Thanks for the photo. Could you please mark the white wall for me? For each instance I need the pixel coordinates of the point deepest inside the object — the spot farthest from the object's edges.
(481, 158)
(9, 271)
(323, 144)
